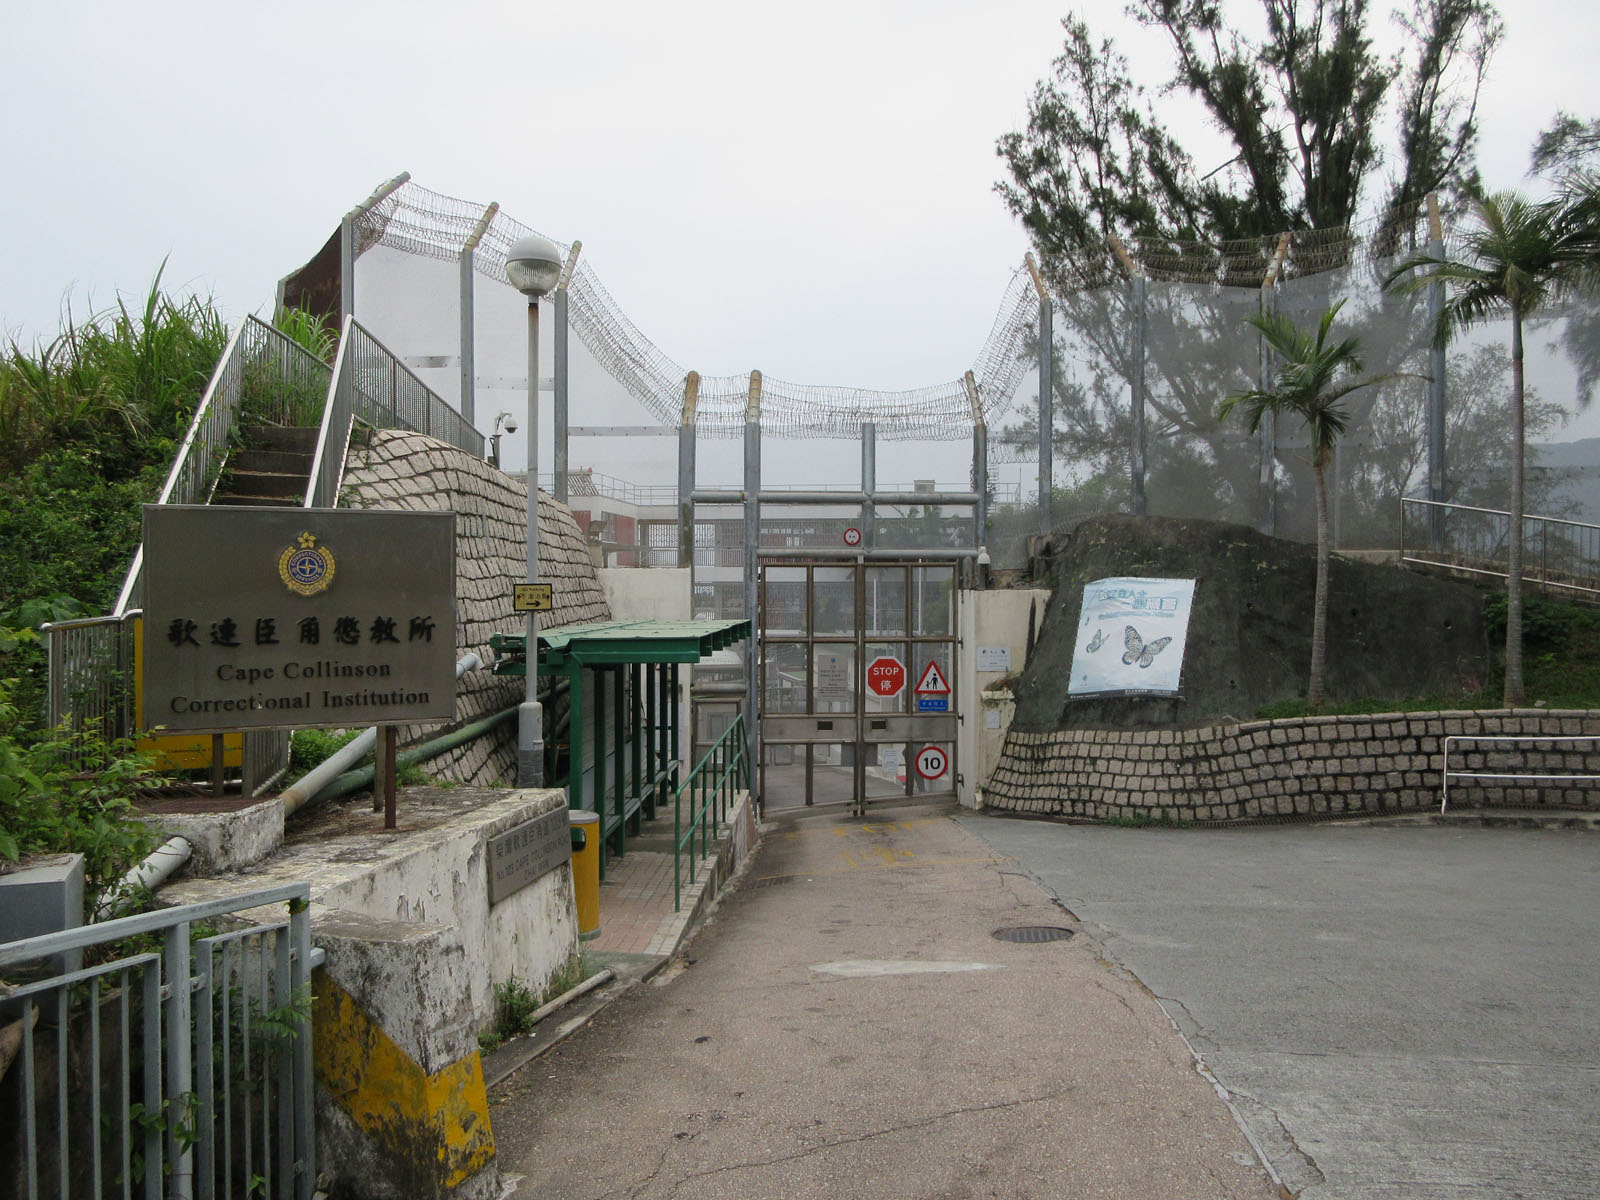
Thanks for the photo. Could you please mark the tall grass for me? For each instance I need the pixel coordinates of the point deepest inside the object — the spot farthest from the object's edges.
(308, 331)
(124, 381)
(88, 424)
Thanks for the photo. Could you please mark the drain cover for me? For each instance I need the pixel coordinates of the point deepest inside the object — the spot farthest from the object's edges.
(1032, 934)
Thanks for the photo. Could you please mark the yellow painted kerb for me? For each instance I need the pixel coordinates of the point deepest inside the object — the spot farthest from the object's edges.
(437, 1124)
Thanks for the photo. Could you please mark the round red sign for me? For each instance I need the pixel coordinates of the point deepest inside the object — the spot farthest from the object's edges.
(852, 536)
(932, 762)
(886, 676)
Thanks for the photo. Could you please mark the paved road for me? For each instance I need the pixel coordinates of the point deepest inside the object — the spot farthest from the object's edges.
(1400, 1012)
(848, 1027)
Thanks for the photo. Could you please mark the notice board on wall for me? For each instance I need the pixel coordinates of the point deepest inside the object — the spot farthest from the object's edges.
(1131, 637)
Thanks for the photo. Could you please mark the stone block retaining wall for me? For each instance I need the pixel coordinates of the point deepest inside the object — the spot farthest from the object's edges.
(1307, 766)
(405, 470)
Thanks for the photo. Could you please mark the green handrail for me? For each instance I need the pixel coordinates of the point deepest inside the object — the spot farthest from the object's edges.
(708, 788)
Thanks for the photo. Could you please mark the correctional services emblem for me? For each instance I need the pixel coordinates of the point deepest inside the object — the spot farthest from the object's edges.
(306, 568)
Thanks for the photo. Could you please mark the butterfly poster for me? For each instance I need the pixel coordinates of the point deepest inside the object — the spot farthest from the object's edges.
(1130, 637)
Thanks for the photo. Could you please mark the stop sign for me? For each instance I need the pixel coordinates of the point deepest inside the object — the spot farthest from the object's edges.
(886, 676)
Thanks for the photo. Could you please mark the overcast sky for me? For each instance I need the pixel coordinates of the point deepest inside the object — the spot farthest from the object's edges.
(805, 188)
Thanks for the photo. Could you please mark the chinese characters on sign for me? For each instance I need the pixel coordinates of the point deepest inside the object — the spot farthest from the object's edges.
(347, 631)
(311, 617)
(521, 855)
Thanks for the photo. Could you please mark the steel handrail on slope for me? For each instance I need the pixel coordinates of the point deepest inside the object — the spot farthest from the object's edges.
(198, 463)
(372, 386)
(721, 773)
(1557, 553)
(284, 384)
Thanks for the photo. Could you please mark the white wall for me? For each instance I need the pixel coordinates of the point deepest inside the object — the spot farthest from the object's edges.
(990, 620)
(657, 594)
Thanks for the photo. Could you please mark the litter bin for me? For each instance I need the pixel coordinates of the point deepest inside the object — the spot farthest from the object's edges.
(585, 827)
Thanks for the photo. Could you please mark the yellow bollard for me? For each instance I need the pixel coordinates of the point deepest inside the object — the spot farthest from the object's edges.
(586, 870)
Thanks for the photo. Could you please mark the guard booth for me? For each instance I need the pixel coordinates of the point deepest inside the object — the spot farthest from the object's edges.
(857, 679)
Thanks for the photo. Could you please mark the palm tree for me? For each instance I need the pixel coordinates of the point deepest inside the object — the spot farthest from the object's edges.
(1313, 377)
(1518, 257)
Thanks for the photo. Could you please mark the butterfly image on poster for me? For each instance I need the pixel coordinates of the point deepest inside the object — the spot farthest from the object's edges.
(1140, 651)
(1152, 616)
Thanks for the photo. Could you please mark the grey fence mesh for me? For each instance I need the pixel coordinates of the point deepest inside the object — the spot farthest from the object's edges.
(423, 222)
(1199, 350)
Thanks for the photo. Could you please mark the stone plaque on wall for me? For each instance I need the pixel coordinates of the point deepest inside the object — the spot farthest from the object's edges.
(519, 856)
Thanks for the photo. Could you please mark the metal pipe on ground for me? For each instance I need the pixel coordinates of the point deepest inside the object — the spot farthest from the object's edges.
(306, 788)
(148, 875)
(352, 781)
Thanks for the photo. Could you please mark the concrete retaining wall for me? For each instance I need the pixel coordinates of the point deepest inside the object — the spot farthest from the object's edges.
(1310, 766)
(404, 470)
(414, 952)
(439, 876)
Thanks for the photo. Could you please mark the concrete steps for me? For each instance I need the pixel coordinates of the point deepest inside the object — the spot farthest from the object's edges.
(272, 468)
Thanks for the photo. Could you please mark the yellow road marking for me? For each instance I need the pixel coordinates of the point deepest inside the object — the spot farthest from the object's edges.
(874, 827)
(892, 865)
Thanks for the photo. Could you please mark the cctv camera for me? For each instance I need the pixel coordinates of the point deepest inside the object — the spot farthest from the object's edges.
(511, 425)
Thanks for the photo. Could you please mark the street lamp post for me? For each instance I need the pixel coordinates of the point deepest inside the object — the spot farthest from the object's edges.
(533, 265)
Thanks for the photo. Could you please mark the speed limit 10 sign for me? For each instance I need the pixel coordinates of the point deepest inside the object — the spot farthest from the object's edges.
(932, 762)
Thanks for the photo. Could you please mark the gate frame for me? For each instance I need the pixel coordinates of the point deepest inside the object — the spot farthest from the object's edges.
(905, 729)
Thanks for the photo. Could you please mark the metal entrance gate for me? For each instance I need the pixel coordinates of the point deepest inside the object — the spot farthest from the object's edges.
(857, 681)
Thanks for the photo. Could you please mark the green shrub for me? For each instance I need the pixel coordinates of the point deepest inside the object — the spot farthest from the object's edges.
(71, 792)
(1546, 623)
(515, 1002)
(88, 426)
(310, 748)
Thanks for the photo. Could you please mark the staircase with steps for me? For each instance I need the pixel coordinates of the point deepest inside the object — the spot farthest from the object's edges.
(273, 467)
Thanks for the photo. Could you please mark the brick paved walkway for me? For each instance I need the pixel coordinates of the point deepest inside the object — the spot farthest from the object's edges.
(636, 911)
(635, 897)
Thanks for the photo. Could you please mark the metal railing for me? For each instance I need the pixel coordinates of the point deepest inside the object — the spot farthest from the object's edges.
(263, 377)
(721, 773)
(1500, 772)
(374, 387)
(90, 668)
(90, 685)
(1556, 553)
(261, 372)
(593, 483)
(181, 1072)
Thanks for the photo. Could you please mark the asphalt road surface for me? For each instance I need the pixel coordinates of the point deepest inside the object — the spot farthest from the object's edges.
(1398, 1012)
(847, 1025)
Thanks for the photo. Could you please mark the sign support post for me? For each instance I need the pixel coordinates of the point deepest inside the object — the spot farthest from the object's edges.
(216, 764)
(389, 736)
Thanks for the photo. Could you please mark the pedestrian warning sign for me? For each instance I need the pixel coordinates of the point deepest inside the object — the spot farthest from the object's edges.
(933, 693)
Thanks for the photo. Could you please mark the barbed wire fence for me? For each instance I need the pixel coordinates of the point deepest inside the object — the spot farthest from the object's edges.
(418, 221)
(1187, 302)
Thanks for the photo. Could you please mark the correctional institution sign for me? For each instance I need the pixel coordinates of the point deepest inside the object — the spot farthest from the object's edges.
(293, 618)
(1131, 637)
